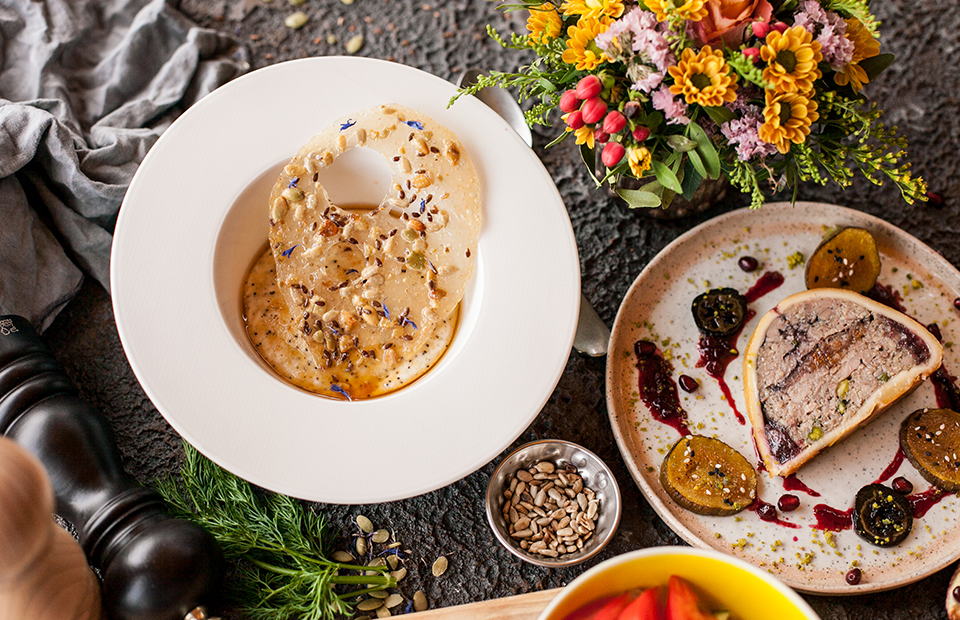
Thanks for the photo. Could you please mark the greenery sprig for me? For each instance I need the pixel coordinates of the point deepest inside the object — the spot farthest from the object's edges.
(279, 546)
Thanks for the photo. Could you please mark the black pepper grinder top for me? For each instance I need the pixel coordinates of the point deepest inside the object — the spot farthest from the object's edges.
(154, 567)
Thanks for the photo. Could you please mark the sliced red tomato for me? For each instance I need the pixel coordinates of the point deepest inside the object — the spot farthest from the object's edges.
(611, 611)
(683, 603)
(647, 606)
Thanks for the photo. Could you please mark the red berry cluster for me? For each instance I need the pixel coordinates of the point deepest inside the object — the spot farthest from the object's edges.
(761, 29)
(585, 106)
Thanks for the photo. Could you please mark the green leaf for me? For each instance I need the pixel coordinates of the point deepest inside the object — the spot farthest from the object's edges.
(708, 153)
(590, 161)
(874, 65)
(719, 114)
(691, 179)
(654, 119)
(697, 162)
(547, 85)
(666, 176)
(639, 199)
(681, 143)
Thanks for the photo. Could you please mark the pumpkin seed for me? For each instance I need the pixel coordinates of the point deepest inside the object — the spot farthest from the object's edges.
(369, 604)
(361, 546)
(354, 44)
(343, 557)
(377, 562)
(393, 561)
(383, 612)
(380, 594)
(420, 601)
(399, 574)
(393, 600)
(364, 524)
(440, 566)
(297, 20)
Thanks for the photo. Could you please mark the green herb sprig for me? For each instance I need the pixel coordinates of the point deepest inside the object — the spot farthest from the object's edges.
(279, 547)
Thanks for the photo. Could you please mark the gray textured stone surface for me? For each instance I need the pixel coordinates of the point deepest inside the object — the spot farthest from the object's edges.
(919, 93)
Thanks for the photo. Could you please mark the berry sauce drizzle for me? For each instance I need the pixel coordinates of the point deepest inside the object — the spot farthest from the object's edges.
(792, 483)
(920, 503)
(716, 352)
(892, 467)
(768, 512)
(657, 389)
(831, 519)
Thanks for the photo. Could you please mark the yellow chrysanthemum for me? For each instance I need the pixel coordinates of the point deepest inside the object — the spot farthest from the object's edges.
(581, 50)
(593, 8)
(703, 77)
(864, 46)
(544, 24)
(691, 10)
(787, 118)
(584, 135)
(791, 59)
(639, 160)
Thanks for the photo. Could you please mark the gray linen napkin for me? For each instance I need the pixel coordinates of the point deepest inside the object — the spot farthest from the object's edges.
(86, 88)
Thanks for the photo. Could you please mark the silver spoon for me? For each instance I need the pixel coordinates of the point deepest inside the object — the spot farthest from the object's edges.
(592, 335)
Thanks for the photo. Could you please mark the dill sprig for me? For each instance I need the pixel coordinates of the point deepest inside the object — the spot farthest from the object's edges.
(279, 547)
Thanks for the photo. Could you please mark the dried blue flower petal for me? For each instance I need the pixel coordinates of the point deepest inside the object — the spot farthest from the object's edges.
(294, 182)
(415, 124)
(349, 271)
(339, 390)
(350, 123)
(409, 322)
(334, 330)
(287, 253)
(385, 310)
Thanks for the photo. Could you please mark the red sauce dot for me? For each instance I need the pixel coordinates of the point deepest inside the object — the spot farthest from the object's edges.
(645, 347)
(902, 486)
(788, 502)
(688, 383)
(853, 576)
(748, 263)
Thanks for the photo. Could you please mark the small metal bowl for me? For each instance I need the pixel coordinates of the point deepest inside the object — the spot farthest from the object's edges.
(596, 476)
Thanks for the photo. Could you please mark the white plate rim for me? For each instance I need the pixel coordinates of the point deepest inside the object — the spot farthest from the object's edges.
(668, 511)
(453, 422)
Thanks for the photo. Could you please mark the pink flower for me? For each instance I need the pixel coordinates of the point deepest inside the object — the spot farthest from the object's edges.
(744, 132)
(727, 20)
(673, 109)
(636, 40)
(828, 29)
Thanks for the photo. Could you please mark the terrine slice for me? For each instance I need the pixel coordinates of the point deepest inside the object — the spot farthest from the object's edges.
(823, 362)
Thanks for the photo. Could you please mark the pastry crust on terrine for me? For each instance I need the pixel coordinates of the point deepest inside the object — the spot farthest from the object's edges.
(824, 362)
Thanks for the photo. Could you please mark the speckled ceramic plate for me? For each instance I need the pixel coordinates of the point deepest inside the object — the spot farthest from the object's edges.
(195, 218)
(657, 308)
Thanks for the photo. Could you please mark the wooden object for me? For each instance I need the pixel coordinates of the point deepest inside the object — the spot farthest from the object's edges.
(154, 567)
(518, 607)
(43, 571)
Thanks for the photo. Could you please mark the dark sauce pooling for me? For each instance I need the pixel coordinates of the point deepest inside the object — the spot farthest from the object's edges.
(921, 503)
(792, 483)
(657, 389)
(831, 519)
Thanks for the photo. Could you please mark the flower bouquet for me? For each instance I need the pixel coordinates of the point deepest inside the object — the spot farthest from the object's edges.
(672, 92)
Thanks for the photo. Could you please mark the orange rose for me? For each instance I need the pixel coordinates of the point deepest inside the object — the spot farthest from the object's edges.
(727, 20)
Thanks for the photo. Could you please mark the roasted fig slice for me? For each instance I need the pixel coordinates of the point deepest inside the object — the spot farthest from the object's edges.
(824, 362)
(847, 258)
(708, 477)
(881, 516)
(930, 439)
(719, 311)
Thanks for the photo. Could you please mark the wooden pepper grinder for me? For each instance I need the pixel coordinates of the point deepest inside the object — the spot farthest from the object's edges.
(154, 567)
(43, 572)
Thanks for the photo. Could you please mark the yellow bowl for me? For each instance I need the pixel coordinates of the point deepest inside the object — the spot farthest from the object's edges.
(749, 593)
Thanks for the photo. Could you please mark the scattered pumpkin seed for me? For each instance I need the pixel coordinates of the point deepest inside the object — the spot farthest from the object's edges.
(331, 39)
(380, 594)
(393, 561)
(361, 546)
(420, 601)
(440, 566)
(354, 44)
(347, 2)
(369, 604)
(399, 574)
(383, 612)
(378, 562)
(343, 557)
(297, 2)
(380, 536)
(297, 20)
(364, 524)
(393, 600)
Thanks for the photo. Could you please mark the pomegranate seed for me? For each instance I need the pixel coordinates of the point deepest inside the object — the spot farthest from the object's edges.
(641, 133)
(589, 87)
(788, 503)
(612, 154)
(645, 347)
(767, 512)
(956, 303)
(853, 576)
(748, 263)
(593, 110)
(956, 593)
(688, 383)
(614, 122)
(575, 119)
(569, 101)
(902, 486)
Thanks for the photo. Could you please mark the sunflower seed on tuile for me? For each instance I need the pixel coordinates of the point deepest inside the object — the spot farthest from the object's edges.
(420, 601)
(365, 525)
(440, 566)
(380, 536)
